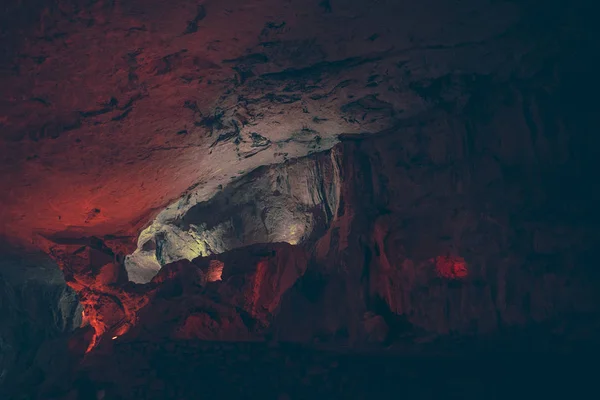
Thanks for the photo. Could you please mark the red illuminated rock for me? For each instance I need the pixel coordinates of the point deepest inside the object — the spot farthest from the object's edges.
(377, 253)
(112, 111)
(215, 271)
(302, 171)
(185, 303)
(451, 267)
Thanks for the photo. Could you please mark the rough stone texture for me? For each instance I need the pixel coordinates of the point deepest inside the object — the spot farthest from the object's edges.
(110, 303)
(185, 304)
(435, 209)
(431, 247)
(430, 227)
(426, 229)
(37, 309)
(154, 99)
(290, 202)
(461, 199)
(233, 297)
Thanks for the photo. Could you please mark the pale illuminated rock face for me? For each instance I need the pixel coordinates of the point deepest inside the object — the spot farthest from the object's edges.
(352, 172)
(391, 248)
(291, 202)
(340, 173)
(114, 110)
(435, 225)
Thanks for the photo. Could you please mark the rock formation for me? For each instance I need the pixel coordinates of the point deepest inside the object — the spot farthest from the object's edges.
(388, 248)
(144, 99)
(37, 311)
(367, 174)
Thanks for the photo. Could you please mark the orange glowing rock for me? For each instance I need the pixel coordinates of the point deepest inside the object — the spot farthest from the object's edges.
(215, 270)
(84, 319)
(451, 267)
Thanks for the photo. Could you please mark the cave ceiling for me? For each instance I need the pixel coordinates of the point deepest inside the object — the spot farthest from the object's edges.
(112, 110)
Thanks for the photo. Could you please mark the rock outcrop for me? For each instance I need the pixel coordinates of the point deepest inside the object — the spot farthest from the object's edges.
(434, 226)
(290, 202)
(113, 110)
(316, 172)
(37, 312)
(418, 232)
(185, 304)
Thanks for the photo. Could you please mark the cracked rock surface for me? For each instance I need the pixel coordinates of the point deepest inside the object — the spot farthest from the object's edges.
(368, 174)
(291, 202)
(112, 110)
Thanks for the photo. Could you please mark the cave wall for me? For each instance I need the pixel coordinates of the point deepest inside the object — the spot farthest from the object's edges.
(148, 110)
(474, 218)
(502, 186)
(37, 311)
(461, 198)
(433, 228)
(290, 202)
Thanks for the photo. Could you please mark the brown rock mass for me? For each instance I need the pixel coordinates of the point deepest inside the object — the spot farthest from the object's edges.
(347, 174)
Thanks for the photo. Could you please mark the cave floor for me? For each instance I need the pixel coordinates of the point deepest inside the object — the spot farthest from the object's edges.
(195, 370)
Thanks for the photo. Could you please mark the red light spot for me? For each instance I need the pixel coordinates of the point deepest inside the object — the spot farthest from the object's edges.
(451, 267)
(215, 271)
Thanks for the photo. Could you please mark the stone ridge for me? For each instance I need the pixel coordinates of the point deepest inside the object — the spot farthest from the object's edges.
(114, 110)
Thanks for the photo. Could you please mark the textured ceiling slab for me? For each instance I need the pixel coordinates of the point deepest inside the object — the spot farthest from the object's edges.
(112, 111)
